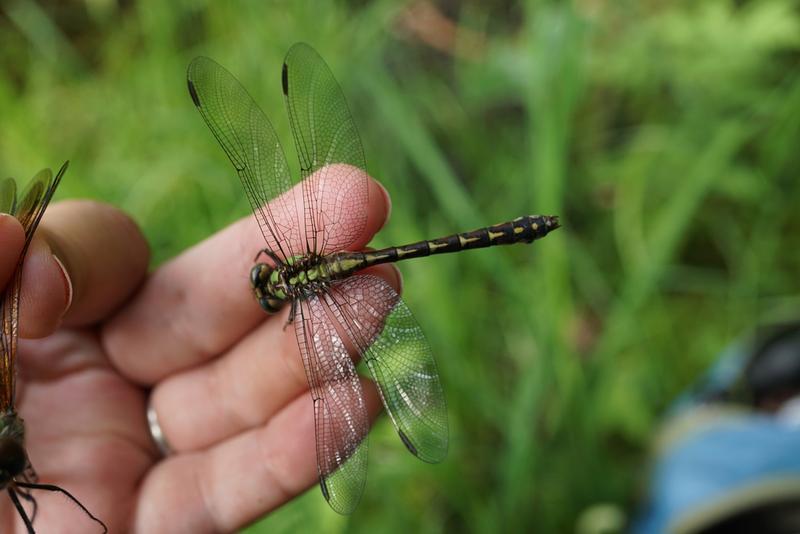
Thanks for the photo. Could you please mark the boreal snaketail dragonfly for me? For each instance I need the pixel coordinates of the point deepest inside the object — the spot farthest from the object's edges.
(337, 310)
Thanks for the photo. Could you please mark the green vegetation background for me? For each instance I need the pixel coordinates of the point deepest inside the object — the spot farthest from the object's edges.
(665, 133)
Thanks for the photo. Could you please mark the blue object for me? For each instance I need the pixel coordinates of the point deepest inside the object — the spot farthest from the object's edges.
(718, 455)
(731, 462)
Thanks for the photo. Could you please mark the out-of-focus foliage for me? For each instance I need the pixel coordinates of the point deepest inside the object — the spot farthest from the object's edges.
(665, 133)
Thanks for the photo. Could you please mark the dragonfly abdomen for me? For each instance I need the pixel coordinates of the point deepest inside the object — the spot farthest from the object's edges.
(521, 230)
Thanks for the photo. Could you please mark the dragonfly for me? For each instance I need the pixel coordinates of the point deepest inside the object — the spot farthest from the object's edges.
(341, 314)
(17, 475)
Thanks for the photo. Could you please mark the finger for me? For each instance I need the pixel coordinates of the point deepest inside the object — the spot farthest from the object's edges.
(45, 293)
(83, 261)
(242, 389)
(12, 239)
(238, 481)
(201, 303)
(104, 253)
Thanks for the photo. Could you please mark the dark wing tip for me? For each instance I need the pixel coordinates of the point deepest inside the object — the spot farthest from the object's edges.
(198, 64)
(407, 442)
(193, 92)
(285, 79)
(300, 48)
(324, 487)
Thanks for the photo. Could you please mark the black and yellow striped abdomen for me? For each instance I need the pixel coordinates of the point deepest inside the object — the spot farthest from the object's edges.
(302, 276)
(521, 230)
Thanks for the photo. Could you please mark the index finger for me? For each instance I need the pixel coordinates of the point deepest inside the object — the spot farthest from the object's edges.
(201, 303)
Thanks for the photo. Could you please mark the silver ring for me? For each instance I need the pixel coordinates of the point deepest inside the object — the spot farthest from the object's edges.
(155, 430)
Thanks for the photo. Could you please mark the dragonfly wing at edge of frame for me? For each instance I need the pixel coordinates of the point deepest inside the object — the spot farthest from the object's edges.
(28, 210)
(247, 137)
(325, 135)
(397, 353)
(8, 195)
(9, 302)
(341, 422)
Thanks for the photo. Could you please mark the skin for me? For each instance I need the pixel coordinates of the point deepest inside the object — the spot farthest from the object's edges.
(226, 380)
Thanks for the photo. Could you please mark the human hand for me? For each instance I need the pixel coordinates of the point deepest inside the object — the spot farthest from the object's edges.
(225, 379)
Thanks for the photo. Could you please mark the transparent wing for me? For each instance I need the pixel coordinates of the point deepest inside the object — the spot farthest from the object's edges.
(29, 210)
(30, 203)
(9, 306)
(400, 360)
(340, 415)
(329, 148)
(9, 315)
(250, 142)
(8, 195)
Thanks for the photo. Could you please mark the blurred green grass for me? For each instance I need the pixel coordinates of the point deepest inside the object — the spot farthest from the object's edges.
(666, 135)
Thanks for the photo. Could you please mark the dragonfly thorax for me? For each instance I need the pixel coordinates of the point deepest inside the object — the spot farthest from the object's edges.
(13, 458)
(296, 278)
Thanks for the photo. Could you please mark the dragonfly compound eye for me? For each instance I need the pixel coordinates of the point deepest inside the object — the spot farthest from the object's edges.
(271, 304)
(259, 275)
(263, 278)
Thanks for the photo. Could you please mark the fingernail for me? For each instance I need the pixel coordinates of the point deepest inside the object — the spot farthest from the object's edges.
(387, 201)
(67, 282)
(398, 277)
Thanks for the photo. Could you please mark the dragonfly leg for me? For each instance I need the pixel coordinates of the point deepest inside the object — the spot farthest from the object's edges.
(29, 476)
(54, 488)
(25, 493)
(21, 511)
(274, 257)
(292, 311)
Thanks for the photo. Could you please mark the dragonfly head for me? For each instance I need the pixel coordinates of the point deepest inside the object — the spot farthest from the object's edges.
(12, 460)
(265, 281)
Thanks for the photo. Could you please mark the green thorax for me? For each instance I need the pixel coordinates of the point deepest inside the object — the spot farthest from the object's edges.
(12, 426)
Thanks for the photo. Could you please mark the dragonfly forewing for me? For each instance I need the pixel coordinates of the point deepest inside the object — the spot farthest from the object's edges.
(247, 137)
(340, 415)
(30, 203)
(8, 195)
(28, 209)
(8, 341)
(395, 349)
(329, 148)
